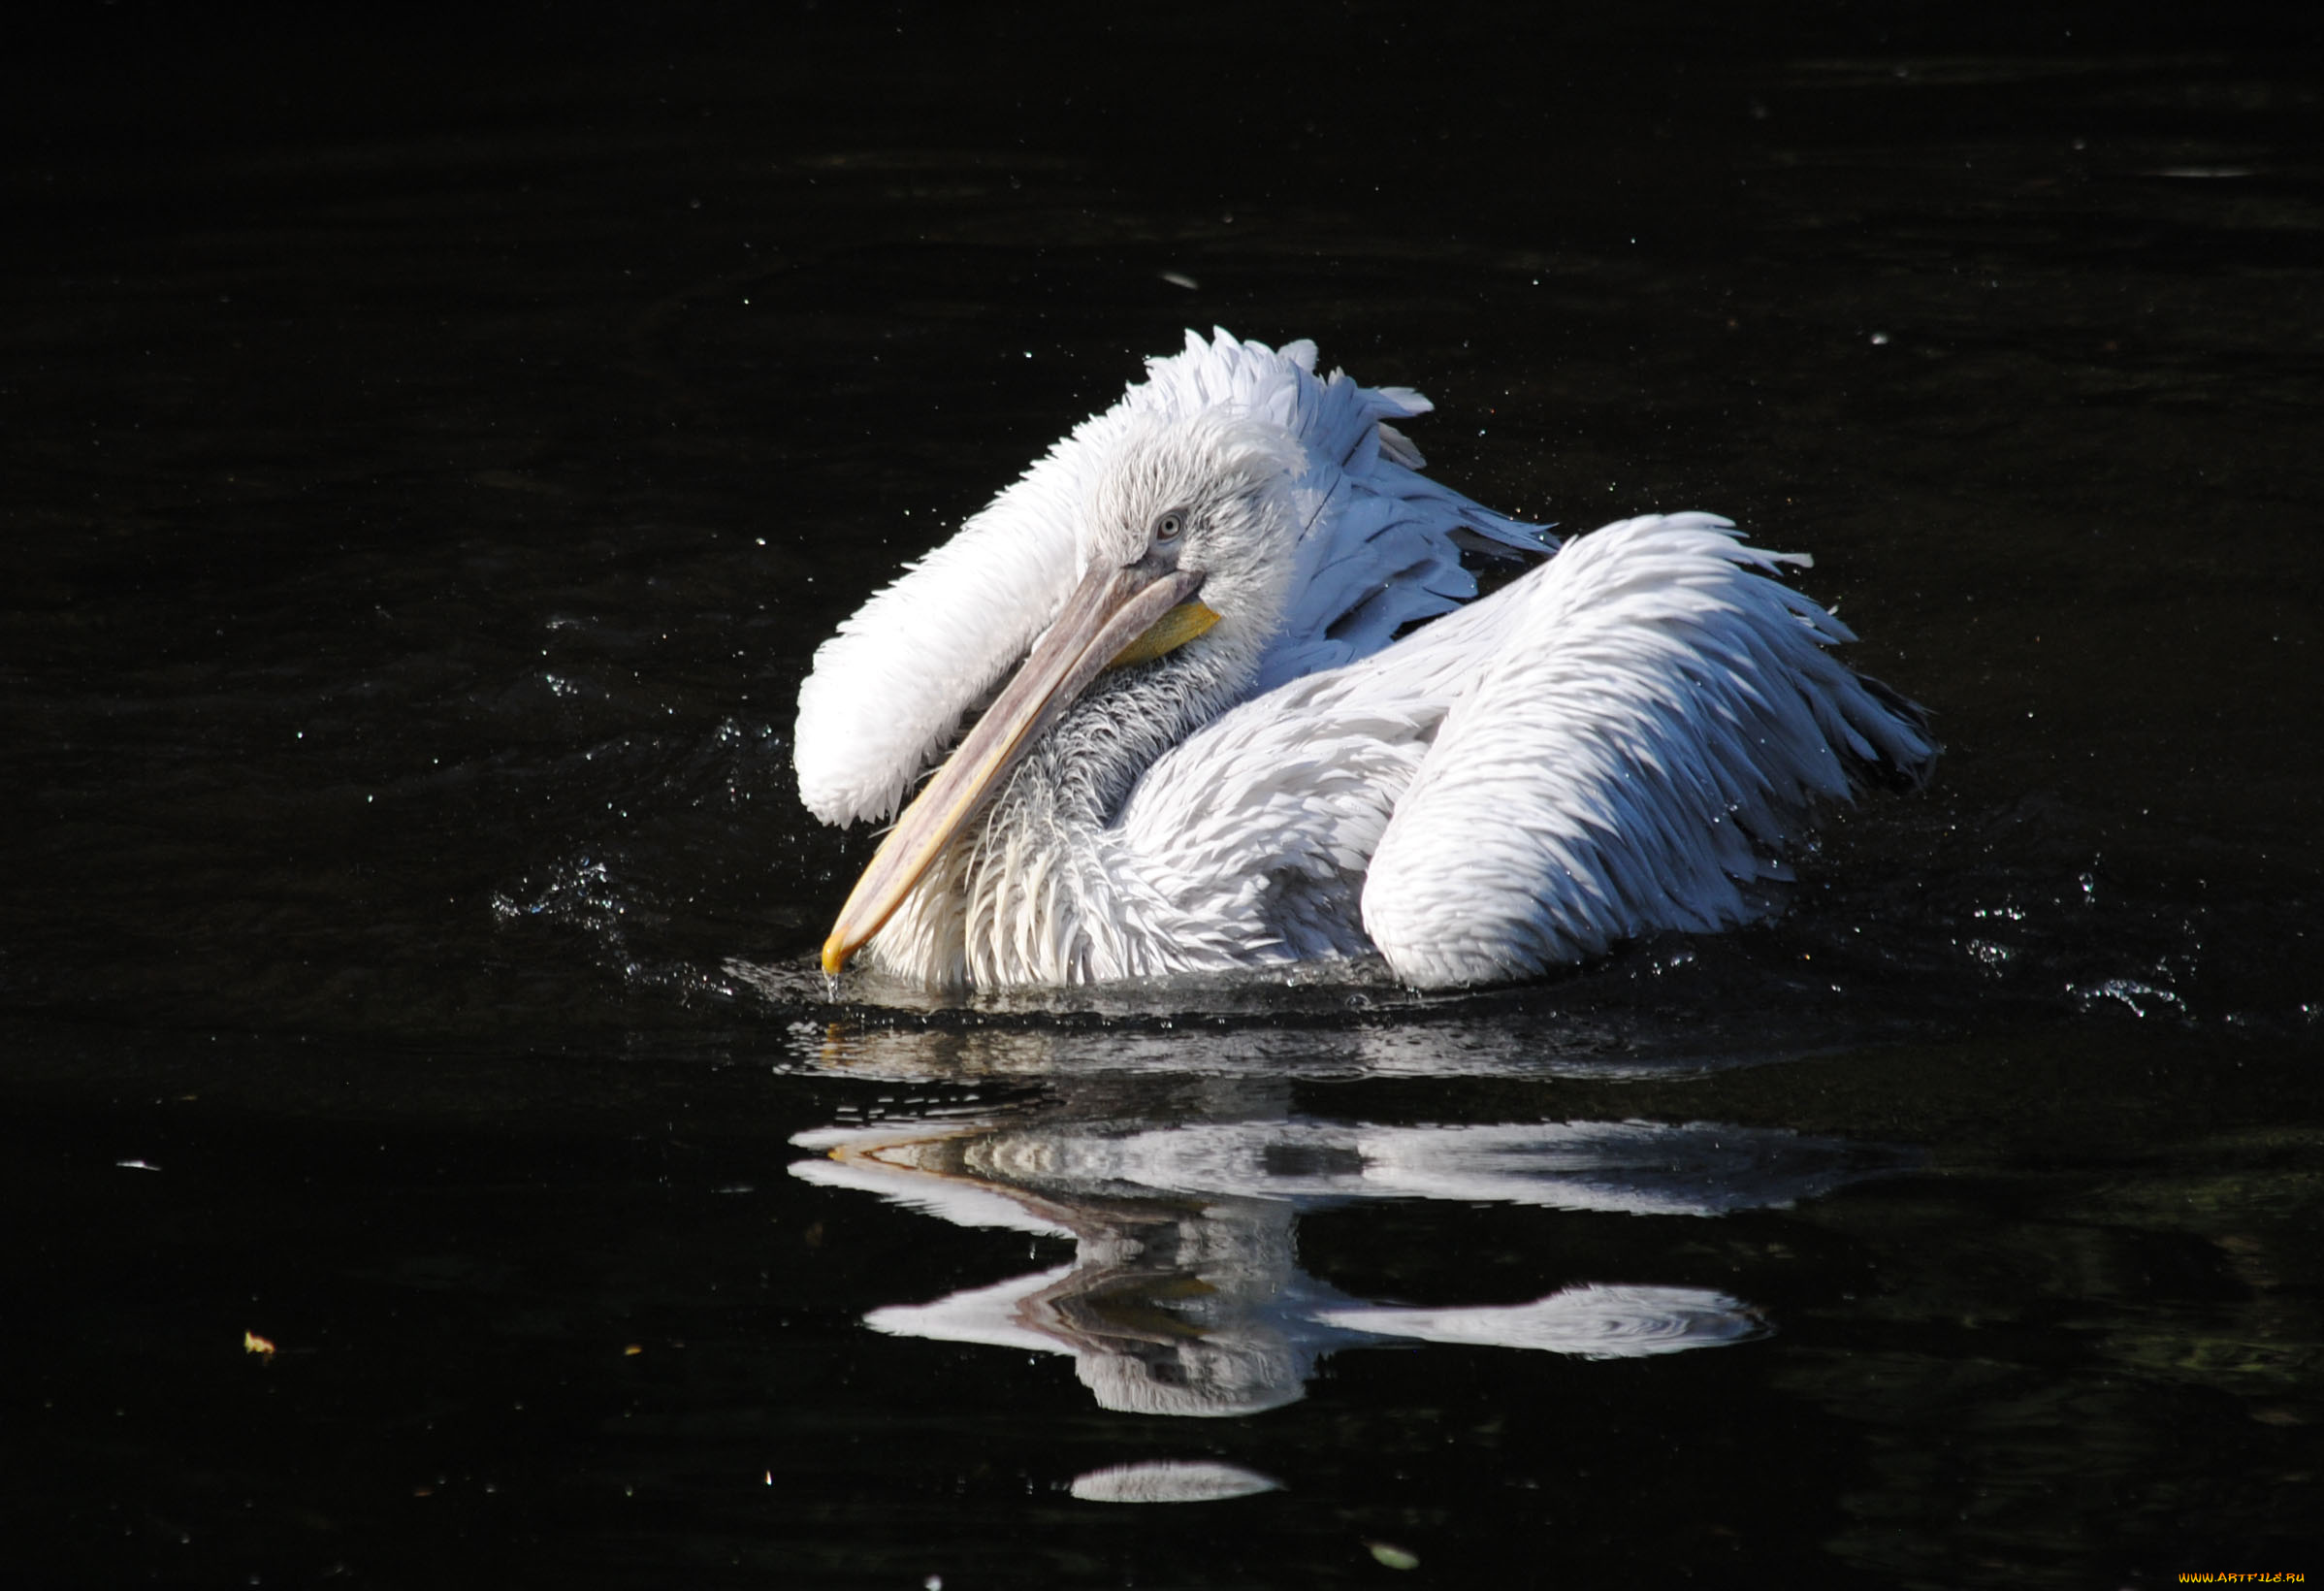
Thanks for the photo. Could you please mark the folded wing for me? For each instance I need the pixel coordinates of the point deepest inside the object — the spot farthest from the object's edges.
(1657, 716)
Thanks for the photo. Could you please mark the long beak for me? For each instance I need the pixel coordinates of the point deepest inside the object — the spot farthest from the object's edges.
(1110, 610)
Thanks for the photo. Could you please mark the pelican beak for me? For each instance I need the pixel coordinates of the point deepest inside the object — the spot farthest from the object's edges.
(1116, 614)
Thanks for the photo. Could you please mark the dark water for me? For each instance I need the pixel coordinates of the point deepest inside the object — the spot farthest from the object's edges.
(431, 454)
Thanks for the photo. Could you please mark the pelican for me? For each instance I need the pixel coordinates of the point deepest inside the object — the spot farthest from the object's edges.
(1209, 728)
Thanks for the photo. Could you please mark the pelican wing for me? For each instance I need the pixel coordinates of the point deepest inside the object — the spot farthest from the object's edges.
(1260, 828)
(1657, 719)
(888, 692)
(1607, 747)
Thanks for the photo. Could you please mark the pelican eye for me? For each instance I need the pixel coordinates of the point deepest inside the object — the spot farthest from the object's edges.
(1171, 525)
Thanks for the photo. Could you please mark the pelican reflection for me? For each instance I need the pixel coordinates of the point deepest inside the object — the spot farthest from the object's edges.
(1184, 1295)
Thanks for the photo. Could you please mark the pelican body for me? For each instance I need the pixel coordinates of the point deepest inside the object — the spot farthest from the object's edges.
(1203, 733)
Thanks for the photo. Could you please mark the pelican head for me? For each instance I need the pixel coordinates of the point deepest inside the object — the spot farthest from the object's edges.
(1190, 539)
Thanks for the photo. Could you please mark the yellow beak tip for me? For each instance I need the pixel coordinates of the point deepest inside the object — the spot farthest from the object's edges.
(836, 951)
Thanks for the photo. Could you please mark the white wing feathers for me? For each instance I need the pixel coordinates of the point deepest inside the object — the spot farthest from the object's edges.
(1600, 750)
(1657, 718)
(889, 691)
(1268, 818)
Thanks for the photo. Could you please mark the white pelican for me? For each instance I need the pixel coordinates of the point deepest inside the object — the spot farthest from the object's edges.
(1214, 751)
